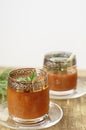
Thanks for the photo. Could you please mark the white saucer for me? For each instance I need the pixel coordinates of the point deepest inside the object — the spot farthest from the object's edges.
(80, 91)
(54, 116)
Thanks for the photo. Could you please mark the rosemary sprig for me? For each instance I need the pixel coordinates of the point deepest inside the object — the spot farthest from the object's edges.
(70, 58)
(29, 78)
(3, 84)
(32, 76)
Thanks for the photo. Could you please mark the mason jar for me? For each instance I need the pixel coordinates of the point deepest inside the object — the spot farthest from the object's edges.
(28, 95)
(62, 72)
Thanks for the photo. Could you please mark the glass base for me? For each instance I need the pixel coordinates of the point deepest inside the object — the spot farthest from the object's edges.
(62, 93)
(55, 114)
(29, 121)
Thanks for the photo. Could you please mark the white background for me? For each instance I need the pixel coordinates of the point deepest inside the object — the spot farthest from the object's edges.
(31, 28)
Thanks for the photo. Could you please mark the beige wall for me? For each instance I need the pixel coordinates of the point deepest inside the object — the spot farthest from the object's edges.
(31, 28)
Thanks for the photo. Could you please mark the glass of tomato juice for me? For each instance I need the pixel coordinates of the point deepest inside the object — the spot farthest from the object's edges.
(62, 72)
(28, 95)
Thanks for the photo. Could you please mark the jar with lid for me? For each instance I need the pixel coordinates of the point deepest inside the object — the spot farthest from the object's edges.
(62, 72)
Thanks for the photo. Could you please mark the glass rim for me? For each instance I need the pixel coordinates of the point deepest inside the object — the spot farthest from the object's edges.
(24, 71)
(54, 59)
(26, 85)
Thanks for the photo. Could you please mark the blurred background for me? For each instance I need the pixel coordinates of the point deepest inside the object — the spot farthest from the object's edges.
(31, 28)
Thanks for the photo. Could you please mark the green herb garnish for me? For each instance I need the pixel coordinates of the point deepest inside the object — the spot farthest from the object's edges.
(29, 78)
(70, 58)
(32, 76)
(3, 84)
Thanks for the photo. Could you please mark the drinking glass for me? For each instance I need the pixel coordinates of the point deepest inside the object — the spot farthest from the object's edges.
(62, 72)
(28, 95)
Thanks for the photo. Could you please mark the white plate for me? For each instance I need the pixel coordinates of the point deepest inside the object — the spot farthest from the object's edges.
(54, 116)
(80, 91)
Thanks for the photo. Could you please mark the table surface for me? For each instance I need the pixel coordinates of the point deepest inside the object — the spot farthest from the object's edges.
(74, 112)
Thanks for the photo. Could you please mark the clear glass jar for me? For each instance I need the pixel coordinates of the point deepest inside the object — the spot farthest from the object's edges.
(62, 72)
(28, 95)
